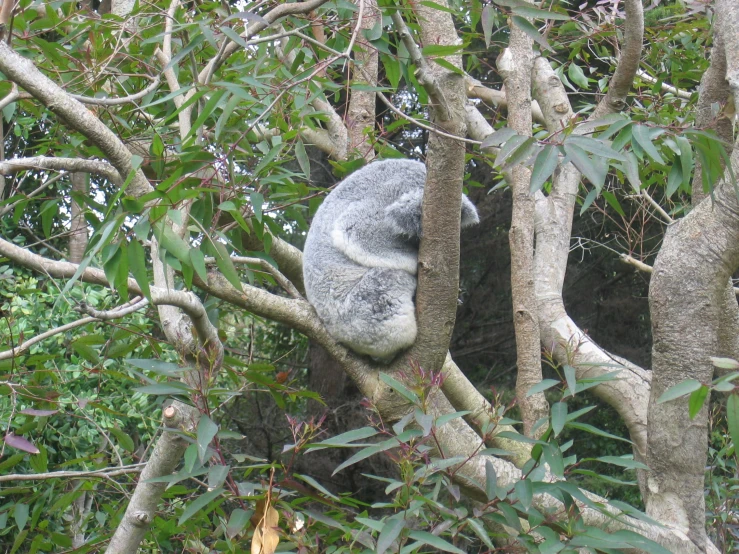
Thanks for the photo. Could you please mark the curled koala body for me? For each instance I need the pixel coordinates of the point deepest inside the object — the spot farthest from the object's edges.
(361, 254)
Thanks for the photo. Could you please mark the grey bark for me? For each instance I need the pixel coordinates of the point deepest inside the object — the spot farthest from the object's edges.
(361, 109)
(516, 72)
(687, 294)
(78, 225)
(438, 258)
(714, 92)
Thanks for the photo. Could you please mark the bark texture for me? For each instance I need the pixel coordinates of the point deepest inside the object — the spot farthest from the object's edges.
(78, 225)
(438, 258)
(688, 300)
(516, 71)
(361, 110)
(687, 294)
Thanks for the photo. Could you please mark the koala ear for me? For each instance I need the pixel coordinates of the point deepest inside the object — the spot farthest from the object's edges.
(404, 214)
(469, 213)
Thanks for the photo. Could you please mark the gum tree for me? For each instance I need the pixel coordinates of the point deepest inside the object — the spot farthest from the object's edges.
(198, 127)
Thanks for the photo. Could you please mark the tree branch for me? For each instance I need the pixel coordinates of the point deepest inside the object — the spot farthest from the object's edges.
(24, 73)
(71, 165)
(628, 62)
(515, 66)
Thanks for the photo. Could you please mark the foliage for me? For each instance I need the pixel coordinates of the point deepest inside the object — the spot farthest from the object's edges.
(90, 399)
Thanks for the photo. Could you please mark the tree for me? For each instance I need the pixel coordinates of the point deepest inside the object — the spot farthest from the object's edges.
(200, 129)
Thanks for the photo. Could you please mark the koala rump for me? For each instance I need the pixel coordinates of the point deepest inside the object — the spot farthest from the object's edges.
(361, 253)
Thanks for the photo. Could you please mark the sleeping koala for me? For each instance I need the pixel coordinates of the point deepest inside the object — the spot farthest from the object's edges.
(361, 254)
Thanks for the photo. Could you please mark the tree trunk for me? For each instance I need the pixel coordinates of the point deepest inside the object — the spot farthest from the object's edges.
(687, 295)
(78, 225)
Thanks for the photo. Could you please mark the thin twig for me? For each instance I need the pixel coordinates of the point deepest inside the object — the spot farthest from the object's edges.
(121, 100)
(102, 473)
(283, 281)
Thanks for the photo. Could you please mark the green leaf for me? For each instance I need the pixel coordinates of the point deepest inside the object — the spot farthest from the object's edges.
(303, 160)
(390, 531)
(696, 400)
(316, 485)
(642, 136)
(168, 369)
(510, 515)
(86, 352)
(124, 439)
(559, 416)
(524, 492)
(137, 264)
(226, 265)
(570, 378)
(446, 418)
(596, 146)
(544, 165)
(164, 389)
(536, 13)
(481, 533)
(207, 430)
(628, 463)
(379, 447)
(400, 388)
(593, 170)
(732, 417)
(449, 66)
(345, 439)
(237, 522)
(491, 480)
(686, 158)
(595, 431)
(216, 99)
(194, 43)
(681, 389)
(487, 19)
(434, 541)
(173, 243)
(531, 31)
(542, 386)
(20, 513)
(613, 202)
(197, 260)
(441, 49)
(553, 457)
(674, 179)
(725, 363)
(199, 503)
(257, 201)
(498, 137)
(631, 170)
(577, 76)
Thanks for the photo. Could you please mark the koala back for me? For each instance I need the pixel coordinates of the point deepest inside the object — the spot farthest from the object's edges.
(361, 254)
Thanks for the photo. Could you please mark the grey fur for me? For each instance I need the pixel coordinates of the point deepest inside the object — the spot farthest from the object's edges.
(361, 254)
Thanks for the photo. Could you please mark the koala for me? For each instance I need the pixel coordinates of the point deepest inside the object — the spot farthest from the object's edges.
(361, 256)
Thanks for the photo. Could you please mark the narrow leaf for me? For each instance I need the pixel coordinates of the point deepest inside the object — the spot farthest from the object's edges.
(696, 401)
(390, 531)
(491, 480)
(199, 503)
(207, 429)
(732, 417)
(559, 416)
(531, 31)
(542, 386)
(544, 166)
(592, 169)
(434, 541)
(641, 135)
(681, 389)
